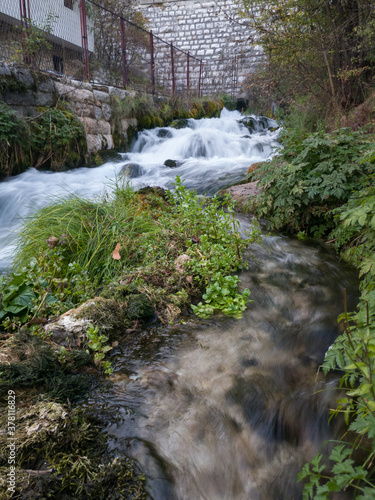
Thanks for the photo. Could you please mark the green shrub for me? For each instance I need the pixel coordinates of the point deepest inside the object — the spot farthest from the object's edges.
(14, 142)
(351, 462)
(310, 177)
(57, 138)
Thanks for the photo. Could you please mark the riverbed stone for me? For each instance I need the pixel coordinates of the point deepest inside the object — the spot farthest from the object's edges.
(242, 194)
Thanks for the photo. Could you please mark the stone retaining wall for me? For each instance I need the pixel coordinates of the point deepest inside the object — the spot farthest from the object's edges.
(27, 92)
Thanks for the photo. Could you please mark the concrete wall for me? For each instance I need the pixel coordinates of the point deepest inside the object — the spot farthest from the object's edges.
(210, 30)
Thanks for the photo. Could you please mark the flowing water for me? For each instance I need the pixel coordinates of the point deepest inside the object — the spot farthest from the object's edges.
(221, 408)
(209, 155)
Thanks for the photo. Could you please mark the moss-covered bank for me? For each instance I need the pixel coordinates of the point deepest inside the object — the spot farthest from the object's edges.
(90, 274)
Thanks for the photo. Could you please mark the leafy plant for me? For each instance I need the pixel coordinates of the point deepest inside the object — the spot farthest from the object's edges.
(34, 41)
(97, 344)
(17, 296)
(57, 138)
(353, 353)
(54, 138)
(309, 178)
(42, 288)
(354, 235)
(222, 295)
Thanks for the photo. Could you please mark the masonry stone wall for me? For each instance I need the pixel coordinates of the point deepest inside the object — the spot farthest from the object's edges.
(210, 30)
(92, 103)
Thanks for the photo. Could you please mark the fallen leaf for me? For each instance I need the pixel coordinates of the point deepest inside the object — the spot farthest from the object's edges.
(116, 254)
(52, 241)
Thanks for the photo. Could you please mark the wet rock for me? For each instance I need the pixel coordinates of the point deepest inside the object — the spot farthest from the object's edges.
(258, 148)
(242, 194)
(132, 170)
(180, 123)
(172, 163)
(163, 132)
(249, 123)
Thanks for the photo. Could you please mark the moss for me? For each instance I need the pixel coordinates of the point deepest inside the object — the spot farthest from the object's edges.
(107, 314)
(139, 307)
(8, 83)
(33, 363)
(212, 108)
(69, 449)
(133, 305)
(119, 293)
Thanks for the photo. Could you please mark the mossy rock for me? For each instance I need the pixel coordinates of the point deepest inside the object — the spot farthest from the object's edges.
(180, 123)
(139, 307)
(146, 122)
(153, 190)
(119, 293)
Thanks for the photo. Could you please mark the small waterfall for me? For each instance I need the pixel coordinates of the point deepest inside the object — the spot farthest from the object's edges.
(210, 154)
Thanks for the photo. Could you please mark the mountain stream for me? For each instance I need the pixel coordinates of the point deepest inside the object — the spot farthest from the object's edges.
(220, 408)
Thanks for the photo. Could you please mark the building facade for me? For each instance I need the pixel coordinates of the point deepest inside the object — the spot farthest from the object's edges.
(63, 53)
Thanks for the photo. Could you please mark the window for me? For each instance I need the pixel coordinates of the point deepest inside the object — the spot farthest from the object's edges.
(69, 4)
(58, 64)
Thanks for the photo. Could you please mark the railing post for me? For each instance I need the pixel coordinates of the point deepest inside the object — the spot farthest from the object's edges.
(123, 54)
(85, 48)
(173, 77)
(200, 78)
(188, 74)
(152, 62)
(25, 17)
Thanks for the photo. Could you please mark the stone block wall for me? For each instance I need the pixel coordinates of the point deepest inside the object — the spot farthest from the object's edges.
(27, 93)
(212, 31)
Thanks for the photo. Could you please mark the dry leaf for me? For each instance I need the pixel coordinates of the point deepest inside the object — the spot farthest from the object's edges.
(52, 242)
(116, 254)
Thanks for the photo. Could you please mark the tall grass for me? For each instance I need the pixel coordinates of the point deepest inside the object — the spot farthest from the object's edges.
(88, 232)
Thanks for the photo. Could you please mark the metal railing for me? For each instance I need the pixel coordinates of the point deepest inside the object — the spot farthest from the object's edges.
(87, 41)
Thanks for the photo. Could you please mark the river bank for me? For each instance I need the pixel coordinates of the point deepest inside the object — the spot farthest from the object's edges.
(163, 253)
(186, 249)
